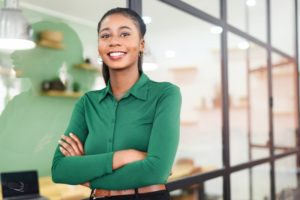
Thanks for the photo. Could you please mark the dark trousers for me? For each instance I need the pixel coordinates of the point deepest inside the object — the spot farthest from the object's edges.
(158, 195)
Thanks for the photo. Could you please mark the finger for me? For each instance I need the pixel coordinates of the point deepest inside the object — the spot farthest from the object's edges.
(72, 143)
(63, 151)
(67, 147)
(78, 142)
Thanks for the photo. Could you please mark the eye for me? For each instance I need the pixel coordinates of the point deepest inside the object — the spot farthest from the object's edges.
(125, 34)
(104, 36)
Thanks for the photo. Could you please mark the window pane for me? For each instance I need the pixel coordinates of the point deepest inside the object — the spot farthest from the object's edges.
(260, 182)
(251, 183)
(284, 110)
(258, 102)
(211, 7)
(213, 189)
(209, 190)
(240, 185)
(283, 15)
(249, 17)
(191, 60)
(286, 177)
(248, 100)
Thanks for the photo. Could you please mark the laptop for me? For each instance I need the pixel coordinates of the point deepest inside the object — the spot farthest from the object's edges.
(20, 185)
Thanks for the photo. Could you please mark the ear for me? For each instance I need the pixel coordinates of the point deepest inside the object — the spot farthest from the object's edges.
(142, 44)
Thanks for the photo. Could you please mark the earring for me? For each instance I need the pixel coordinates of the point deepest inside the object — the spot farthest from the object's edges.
(99, 60)
(140, 54)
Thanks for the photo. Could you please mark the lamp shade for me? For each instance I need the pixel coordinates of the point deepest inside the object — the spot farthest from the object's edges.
(15, 32)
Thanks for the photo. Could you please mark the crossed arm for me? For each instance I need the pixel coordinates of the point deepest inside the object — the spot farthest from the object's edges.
(131, 167)
(72, 146)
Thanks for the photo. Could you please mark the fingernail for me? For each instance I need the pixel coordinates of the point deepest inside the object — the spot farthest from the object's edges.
(71, 134)
(59, 141)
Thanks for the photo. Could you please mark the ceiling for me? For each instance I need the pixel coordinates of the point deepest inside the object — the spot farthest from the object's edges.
(170, 29)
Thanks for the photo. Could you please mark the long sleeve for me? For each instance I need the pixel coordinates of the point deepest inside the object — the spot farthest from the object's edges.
(163, 143)
(79, 169)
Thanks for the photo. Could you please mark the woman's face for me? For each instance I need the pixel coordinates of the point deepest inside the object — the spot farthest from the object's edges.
(119, 42)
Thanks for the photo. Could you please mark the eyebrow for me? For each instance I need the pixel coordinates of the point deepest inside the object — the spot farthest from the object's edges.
(122, 27)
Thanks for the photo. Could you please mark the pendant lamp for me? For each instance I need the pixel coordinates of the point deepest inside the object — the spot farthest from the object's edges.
(15, 32)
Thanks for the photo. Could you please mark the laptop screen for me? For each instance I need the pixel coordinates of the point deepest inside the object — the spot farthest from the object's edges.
(19, 183)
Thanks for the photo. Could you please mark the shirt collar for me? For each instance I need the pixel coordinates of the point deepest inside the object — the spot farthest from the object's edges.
(138, 89)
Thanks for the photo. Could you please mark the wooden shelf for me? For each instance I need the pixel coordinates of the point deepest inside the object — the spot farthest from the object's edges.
(86, 66)
(56, 93)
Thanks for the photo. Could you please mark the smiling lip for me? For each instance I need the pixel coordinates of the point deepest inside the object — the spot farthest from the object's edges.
(116, 55)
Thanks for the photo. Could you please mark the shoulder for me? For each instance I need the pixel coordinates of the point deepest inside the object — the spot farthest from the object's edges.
(163, 88)
(91, 96)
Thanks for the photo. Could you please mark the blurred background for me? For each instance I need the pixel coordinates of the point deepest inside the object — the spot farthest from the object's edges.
(235, 61)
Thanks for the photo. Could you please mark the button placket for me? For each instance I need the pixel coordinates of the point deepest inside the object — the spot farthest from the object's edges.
(113, 120)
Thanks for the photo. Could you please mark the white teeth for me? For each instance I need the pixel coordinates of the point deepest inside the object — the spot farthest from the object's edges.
(116, 53)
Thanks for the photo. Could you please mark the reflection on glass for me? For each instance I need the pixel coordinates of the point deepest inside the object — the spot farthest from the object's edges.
(213, 189)
(211, 7)
(286, 177)
(260, 182)
(193, 192)
(283, 15)
(249, 16)
(191, 60)
(248, 95)
(240, 187)
(284, 109)
(251, 183)
(258, 103)
(31, 123)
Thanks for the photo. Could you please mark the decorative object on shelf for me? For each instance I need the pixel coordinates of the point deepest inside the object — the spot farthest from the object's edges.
(56, 88)
(15, 32)
(51, 39)
(54, 84)
(87, 65)
(76, 86)
(56, 93)
(46, 86)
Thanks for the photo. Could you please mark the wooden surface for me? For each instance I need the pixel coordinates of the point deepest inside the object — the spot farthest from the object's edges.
(55, 93)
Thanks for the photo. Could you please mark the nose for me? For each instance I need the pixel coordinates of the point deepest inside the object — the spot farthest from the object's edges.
(114, 42)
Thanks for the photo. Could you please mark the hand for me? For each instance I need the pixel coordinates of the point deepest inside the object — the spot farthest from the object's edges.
(124, 157)
(87, 184)
(71, 145)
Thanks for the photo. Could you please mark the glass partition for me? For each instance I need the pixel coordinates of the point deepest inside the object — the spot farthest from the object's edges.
(187, 53)
(284, 110)
(248, 97)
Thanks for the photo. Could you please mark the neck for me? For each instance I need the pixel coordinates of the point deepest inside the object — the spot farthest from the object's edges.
(121, 81)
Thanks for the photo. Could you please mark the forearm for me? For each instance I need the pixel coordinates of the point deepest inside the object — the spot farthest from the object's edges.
(79, 169)
(137, 174)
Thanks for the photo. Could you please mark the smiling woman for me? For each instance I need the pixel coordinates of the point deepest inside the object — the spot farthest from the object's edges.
(122, 140)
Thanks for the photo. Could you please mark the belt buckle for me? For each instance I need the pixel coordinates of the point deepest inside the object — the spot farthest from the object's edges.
(94, 197)
(98, 197)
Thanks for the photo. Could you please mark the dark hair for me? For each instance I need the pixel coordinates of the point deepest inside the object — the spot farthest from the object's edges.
(140, 25)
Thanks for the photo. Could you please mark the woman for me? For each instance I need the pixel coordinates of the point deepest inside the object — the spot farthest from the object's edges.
(122, 140)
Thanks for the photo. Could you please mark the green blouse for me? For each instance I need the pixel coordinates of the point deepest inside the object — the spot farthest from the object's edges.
(146, 118)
